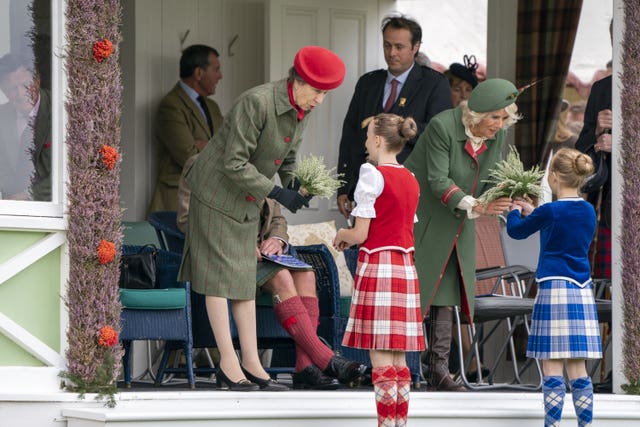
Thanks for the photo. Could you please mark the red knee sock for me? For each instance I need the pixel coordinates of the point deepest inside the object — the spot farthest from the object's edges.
(402, 402)
(386, 388)
(313, 311)
(297, 321)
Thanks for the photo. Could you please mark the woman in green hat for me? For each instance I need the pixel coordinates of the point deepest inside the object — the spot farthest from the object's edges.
(451, 159)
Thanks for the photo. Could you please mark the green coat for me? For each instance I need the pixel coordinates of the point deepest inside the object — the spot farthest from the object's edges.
(446, 172)
(229, 182)
(178, 124)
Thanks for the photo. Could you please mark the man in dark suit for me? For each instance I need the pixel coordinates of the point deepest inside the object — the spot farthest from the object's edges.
(405, 88)
(595, 139)
(25, 137)
(186, 120)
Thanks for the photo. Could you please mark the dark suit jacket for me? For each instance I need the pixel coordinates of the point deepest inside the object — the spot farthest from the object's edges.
(424, 94)
(178, 123)
(599, 99)
(41, 185)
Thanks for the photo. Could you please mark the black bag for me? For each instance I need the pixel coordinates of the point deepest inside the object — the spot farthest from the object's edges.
(138, 271)
(593, 183)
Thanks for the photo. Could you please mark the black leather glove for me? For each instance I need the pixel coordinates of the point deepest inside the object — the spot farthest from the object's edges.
(294, 184)
(290, 199)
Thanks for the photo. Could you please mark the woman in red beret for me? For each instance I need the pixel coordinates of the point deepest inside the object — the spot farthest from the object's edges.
(230, 181)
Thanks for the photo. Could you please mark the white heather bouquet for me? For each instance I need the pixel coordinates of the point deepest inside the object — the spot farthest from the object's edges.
(315, 179)
(511, 180)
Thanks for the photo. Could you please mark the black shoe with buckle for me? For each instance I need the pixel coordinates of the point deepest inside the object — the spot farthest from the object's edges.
(347, 371)
(312, 378)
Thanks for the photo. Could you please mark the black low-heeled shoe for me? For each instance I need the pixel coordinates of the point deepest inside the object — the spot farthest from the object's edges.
(265, 385)
(223, 382)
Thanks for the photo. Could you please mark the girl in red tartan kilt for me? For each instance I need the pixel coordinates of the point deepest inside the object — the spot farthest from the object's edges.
(385, 313)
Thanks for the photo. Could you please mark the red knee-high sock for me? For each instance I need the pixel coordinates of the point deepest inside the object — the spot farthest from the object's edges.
(313, 311)
(402, 402)
(294, 318)
(386, 388)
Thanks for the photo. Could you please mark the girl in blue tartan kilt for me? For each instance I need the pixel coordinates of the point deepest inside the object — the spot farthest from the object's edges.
(564, 324)
(385, 313)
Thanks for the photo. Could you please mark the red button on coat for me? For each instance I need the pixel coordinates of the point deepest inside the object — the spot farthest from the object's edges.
(250, 198)
(278, 161)
(287, 139)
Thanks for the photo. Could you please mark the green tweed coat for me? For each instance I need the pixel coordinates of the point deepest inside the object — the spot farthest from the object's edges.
(229, 182)
(447, 170)
(178, 124)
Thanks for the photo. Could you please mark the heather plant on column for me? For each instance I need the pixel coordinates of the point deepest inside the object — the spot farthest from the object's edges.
(95, 233)
(630, 170)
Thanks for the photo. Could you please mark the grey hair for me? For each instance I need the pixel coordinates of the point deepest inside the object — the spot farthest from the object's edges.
(471, 118)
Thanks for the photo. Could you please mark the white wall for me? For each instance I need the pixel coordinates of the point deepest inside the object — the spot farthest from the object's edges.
(456, 27)
(592, 48)
(450, 29)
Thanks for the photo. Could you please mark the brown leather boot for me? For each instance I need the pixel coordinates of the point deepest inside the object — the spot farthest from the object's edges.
(437, 356)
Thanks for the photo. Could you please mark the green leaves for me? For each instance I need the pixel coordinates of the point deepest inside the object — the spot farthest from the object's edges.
(511, 180)
(315, 178)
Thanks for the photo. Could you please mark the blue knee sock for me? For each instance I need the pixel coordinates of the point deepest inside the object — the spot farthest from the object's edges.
(553, 391)
(582, 392)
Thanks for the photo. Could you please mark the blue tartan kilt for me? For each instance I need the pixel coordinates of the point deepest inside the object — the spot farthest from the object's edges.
(564, 323)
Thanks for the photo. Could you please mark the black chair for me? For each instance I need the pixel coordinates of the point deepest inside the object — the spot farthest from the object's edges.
(505, 309)
(169, 235)
(502, 306)
(162, 313)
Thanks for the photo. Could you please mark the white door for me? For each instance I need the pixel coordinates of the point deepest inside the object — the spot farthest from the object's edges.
(352, 30)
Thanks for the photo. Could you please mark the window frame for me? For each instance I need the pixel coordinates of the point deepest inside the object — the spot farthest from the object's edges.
(51, 215)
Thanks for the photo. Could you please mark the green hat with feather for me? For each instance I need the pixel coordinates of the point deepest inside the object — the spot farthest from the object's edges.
(492, 95)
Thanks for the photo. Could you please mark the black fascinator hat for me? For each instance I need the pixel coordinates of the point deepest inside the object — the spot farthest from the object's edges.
(466, 71)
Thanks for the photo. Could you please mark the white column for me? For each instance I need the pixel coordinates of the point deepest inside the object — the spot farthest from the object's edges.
(616, 203)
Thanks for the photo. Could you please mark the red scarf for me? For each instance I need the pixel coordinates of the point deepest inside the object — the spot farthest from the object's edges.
(293, 103)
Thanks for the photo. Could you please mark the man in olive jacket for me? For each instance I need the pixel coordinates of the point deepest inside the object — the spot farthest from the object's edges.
(186, 121)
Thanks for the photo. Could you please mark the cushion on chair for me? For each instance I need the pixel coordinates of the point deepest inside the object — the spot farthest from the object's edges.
(153, 299)
(345, 306)
(323, 232)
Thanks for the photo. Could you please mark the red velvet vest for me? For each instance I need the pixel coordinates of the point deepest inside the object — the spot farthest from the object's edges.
(392, 228)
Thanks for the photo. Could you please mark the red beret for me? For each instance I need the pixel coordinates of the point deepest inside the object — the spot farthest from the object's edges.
(319, 67)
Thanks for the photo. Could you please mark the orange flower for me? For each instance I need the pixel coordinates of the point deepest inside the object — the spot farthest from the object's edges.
(102, 49)
(106, 251)
(107, 337)
(109, 156)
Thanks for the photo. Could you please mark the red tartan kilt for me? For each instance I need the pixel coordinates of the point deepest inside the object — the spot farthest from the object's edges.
(385, 308)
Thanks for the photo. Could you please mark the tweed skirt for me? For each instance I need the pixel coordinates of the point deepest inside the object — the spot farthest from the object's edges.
(385, 307)
(564, 323)
(220, 253)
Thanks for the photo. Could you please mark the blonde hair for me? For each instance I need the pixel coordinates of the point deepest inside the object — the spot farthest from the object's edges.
(571, 167)
(395, 130)
(471, 118)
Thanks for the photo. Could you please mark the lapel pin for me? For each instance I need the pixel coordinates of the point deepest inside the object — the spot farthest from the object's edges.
(402, 102)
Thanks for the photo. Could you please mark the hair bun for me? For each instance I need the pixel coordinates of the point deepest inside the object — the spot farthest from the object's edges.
(408, 128)
(583, 165)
